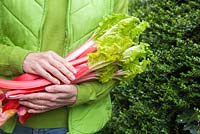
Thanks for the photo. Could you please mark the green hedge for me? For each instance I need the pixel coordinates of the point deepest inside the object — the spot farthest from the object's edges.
(165, 99)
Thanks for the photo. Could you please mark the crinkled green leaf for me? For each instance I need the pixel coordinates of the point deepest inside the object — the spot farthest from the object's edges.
(115, 34)
(134, 61)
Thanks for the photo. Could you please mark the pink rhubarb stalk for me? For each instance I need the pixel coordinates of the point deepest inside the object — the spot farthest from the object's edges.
(88, 47)
(13, 84)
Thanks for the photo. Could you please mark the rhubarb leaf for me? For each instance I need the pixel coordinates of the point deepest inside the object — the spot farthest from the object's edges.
(115, 35)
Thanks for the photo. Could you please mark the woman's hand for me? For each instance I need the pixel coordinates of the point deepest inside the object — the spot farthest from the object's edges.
(55, 97)
(50, 66)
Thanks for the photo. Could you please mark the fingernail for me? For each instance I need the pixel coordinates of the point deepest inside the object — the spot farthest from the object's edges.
(73, 77)
(14, 97)
(74, 71)
(48, 88)
(30, 111)
(57, 82)
(21, 102)
(66, 81)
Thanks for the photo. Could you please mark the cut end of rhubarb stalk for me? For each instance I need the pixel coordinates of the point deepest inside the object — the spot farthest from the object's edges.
(21, 111)
(6, 115)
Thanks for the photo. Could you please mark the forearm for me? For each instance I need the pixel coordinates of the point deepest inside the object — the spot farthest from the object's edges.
(11, 60)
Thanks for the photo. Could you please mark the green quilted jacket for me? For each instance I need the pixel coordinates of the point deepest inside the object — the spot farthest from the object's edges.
(61, 26)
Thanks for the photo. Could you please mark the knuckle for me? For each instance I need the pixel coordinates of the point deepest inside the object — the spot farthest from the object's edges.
(35, 69)
(35, 66)
(73, 99)
(67, 72)
(50, 52)
(42, 63)
(55, 72)
(50, 104)
(38, 97)
(47, 55)
(70, 74)
(60, 67)
(66, 63)
(57, 77)
(53, 98)
(27, 97)
(73, 90)
(41, 96)
(53, 88)
(46, 75)
(63, 61)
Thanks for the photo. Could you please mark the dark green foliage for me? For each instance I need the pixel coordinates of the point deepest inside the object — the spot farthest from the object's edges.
(165, 99)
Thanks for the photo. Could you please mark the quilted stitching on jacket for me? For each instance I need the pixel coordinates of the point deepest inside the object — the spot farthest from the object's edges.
(22, 22)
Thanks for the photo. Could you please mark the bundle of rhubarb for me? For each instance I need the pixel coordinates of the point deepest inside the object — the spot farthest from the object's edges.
(113, 52)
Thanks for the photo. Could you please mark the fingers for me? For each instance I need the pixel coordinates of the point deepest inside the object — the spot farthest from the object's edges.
(34, 108)
(62, 60)
(56, 96)
(34, 111)
(60, 71)
(38, 106)
(44, 96)
(50, 66)
(62, 89)
(31, 104)
(35, 96)
(62, 68)
(40, 70)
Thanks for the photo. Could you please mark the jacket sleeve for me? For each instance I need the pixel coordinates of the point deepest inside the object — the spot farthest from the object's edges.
(92, 91)
(11, 60)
